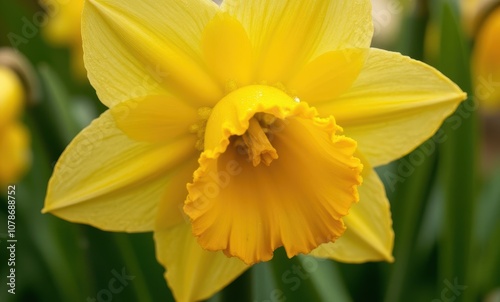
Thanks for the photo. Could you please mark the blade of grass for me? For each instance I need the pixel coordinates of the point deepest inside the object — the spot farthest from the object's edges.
(326, 279)
(59, 105)
(458, 159)
(408, 208)
(301, 279)
(57, 242)
(486, 273)
(130, 258)
(264, 286)
(410, 198)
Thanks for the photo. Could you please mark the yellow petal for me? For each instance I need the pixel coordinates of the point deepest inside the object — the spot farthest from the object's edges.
(295, 198)
(193, 273)
(286, 34)
(154, 118)
(369, 235)
(139, 48)
(394, 105)
(11, 96)
(228, 51)
(328, 75)
(486, 62)
(14, 152)
(107, 180)
(170, 211)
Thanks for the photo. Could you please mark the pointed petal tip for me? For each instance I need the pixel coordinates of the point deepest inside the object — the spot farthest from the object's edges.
(188, 265)
(406, 99)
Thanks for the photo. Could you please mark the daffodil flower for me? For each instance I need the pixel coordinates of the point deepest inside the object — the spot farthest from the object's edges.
(14, 137)
(238, 129)
(63, 29)
(472, 13)
(486, 62)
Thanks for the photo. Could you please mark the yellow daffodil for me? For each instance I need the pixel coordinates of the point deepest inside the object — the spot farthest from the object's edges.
(63, 29)
(472, 12)
(486, 62)
(273, 113)
(14, 138)
(469, 10)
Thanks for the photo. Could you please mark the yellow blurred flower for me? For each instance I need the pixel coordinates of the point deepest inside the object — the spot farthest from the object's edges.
(387, 20)
(63, 29)
(486, 62)
(244, 105)
(472, 12)
(14, 137)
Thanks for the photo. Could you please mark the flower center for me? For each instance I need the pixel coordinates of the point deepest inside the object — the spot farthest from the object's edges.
(248, 210)
(255, 143)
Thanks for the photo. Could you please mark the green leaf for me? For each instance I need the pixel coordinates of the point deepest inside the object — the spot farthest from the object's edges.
(59, 105)
(306, 278)
(57, 243)
(408, 205)
(458, 158)
(487, 271)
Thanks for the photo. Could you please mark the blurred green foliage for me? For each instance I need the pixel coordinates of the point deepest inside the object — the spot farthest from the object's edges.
(445, 212)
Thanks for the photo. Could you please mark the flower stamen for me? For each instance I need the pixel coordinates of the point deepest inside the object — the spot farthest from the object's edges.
(255, 141)
(198, 128)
